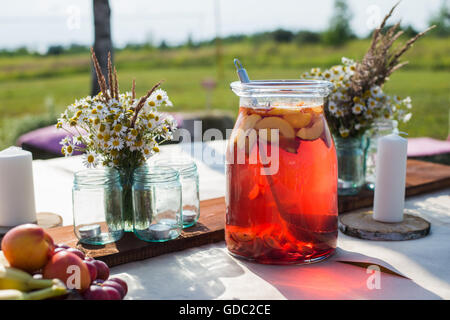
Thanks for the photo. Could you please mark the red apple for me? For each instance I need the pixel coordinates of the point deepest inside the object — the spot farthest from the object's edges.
(70, 269)
(27, 247)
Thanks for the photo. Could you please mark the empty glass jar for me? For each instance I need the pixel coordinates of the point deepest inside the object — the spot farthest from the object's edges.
(97, 206)
(187, 170)
(380, 129)
(157, 210)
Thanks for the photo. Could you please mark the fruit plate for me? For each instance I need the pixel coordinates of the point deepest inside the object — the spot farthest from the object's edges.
(421, 177)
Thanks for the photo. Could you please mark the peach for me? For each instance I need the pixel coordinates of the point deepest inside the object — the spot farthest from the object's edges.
(313, 132)
(298, 120)
(70, 269)
(27, 247)
(269, 123)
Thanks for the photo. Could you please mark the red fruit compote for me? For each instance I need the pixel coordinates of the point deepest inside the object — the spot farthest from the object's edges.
(281, 172)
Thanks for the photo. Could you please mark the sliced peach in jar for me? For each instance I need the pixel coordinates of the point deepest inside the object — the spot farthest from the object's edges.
(272, 242)
(317, 110)
(313, 132)
(246, 123)
(298, 120)
(270, 123)
(242, 236)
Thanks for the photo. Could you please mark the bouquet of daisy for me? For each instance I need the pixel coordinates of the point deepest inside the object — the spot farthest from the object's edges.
(116, 129)
(357, 99)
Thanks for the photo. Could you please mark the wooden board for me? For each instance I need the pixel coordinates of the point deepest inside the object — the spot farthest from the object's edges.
(362, 225)
(209, 229)
(422, 177)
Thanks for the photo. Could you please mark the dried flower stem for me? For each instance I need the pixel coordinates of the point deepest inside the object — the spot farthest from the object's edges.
(141, 102)
(100, 78)
(379, 63)
(133, 90)
(110, 77)
(116, 84)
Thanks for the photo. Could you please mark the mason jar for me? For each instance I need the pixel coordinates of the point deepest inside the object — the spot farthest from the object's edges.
(157, 203)
(187, 170)
(381, 128)
(350, 155)
(97, 206)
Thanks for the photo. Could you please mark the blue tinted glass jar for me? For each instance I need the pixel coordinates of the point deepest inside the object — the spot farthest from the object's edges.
(157, 204)
(97, 206)
(187, 170)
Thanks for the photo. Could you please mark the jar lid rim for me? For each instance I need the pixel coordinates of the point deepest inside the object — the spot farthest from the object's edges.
(155, 174)
(96, 176)
(183, 165)
(304, 87)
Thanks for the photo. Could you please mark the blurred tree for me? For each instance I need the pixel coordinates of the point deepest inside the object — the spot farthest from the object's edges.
(190, 43)
(163, 45)
(103, 43)
(409, 31)
(55, 50)
(442, 21)
(281, 35)
(339, 30)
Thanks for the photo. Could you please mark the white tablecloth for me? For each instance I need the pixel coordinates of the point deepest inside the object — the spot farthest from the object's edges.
(208, 272)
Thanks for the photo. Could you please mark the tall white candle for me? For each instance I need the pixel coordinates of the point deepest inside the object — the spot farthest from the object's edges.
(390, 179)
(17, 204)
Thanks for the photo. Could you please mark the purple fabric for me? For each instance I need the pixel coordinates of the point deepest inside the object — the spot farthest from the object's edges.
(46, 139)
(420, 147)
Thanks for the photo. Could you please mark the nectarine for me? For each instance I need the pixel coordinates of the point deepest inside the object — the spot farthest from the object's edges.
(27, 247)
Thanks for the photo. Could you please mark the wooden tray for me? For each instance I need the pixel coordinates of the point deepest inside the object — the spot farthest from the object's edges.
(422, 177)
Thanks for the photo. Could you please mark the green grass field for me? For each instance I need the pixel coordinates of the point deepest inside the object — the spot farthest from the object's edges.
(27, 82)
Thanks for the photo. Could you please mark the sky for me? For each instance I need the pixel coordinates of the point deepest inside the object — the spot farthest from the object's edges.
(38, 24)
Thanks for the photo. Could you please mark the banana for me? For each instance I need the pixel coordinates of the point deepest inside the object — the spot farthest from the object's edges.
(11, 294)
(12, 278)
(58, 289)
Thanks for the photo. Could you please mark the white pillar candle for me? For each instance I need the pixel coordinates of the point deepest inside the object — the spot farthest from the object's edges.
(389, 199)
(17, 204)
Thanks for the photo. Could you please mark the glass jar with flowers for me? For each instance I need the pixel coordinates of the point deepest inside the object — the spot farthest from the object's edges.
(358, 102)
(117, 130)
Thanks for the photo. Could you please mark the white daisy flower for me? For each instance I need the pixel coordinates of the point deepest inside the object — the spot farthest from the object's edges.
(372, 103)
(332, 107)
(116, 143)
(76, 140)
(358, 108)
(90, 160)
(376, 92)
(407, 117)
(68, 150)
(65, 140)
(344, 132)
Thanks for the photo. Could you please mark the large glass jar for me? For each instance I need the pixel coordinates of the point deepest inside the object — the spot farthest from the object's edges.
(156, 203)
(187, 170)
(97, 206)
(281, 193)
